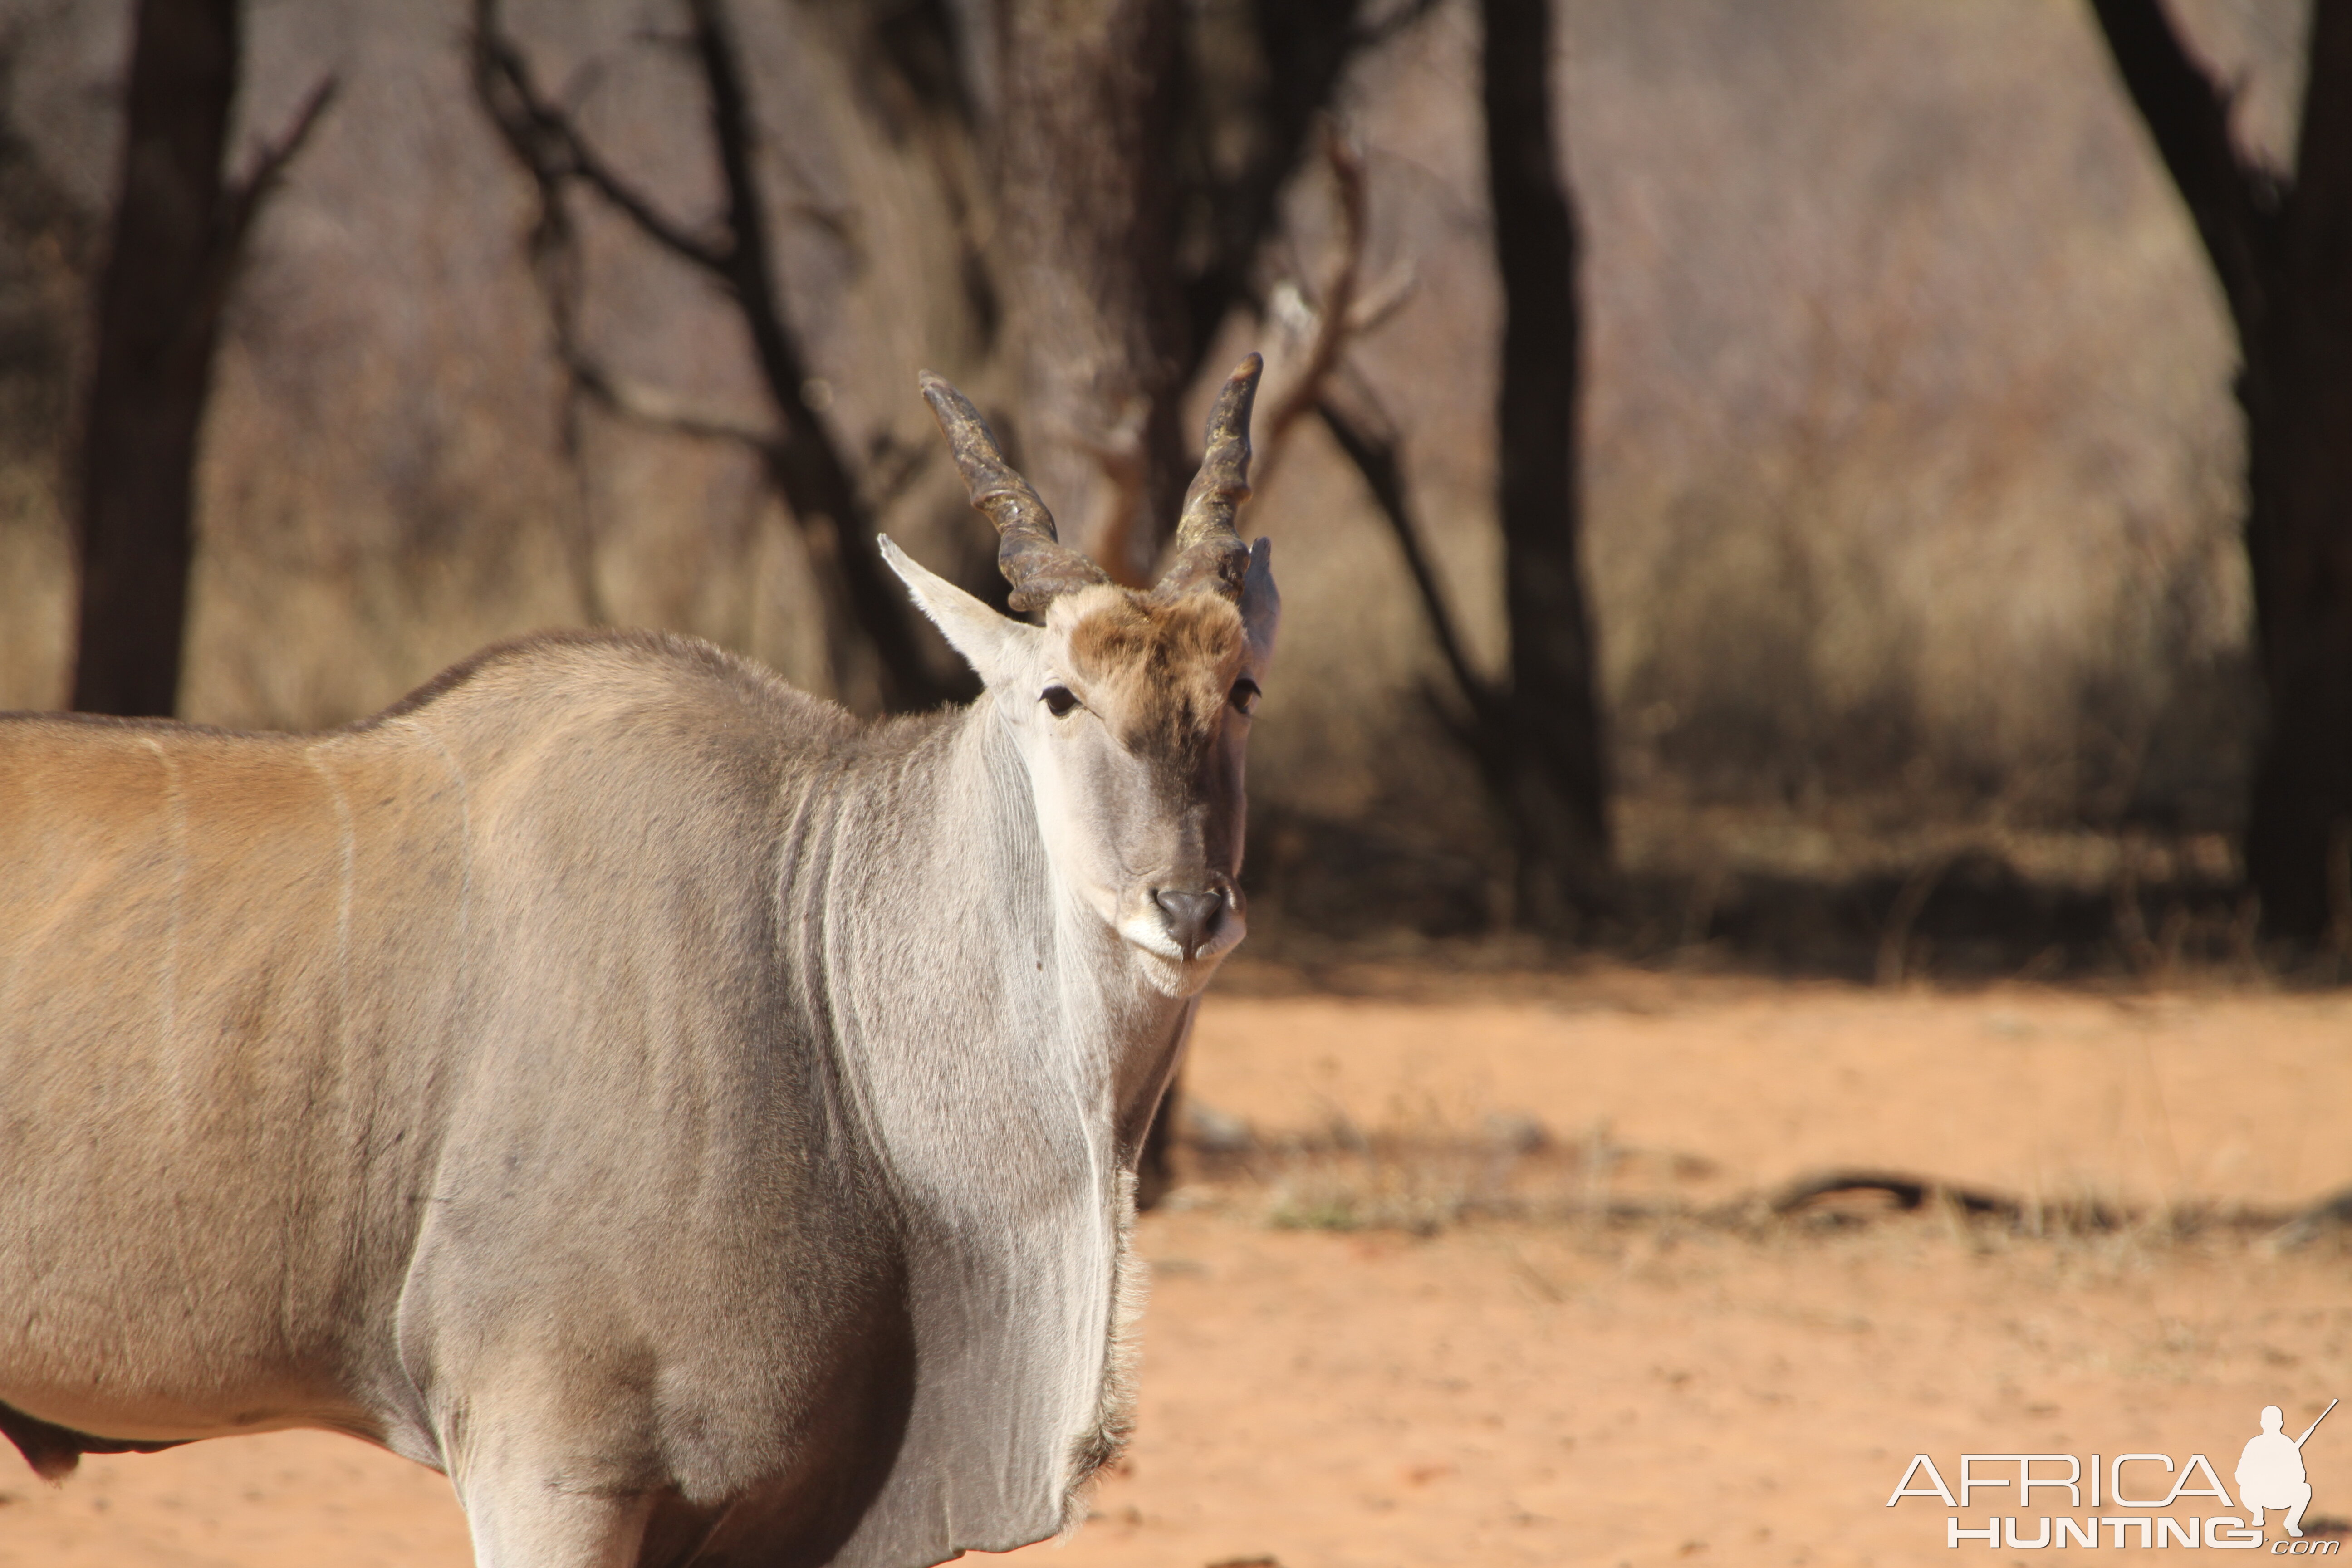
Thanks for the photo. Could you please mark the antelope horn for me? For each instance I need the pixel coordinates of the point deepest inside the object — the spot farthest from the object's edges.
(1209, 553)
(1032, 556)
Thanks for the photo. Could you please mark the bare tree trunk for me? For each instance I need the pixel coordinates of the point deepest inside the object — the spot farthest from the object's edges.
(1088, 229)
(155, 331)
(1545, 756)
(2282, 247)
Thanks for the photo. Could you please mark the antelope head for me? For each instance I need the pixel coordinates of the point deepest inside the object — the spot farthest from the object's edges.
(1130, 709)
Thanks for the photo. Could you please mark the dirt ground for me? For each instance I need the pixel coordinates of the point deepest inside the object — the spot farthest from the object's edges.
(1647, 1370)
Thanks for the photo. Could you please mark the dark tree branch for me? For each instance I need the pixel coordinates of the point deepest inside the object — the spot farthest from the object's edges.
(1373, 451)
(713, 256)
(503, 88)
(1301, 387)
(1368, 437)
(542, 137)
(273, 159)
(658, 408)
(1305, 48)
(2234, 200)
(864, 610)
(747, 253)
(242, 201)
(810, 470)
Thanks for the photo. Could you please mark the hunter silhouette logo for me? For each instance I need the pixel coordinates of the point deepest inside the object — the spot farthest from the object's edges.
(2131, 1498)
(2270, 1472)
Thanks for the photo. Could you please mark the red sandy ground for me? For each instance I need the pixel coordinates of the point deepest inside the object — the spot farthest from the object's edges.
(1566, 1391)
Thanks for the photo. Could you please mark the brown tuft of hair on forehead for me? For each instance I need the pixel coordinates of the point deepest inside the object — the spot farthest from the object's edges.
(1166, 667)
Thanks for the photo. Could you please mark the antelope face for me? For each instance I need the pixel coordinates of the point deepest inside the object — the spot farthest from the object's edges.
(1131, 710)
(1132, 717)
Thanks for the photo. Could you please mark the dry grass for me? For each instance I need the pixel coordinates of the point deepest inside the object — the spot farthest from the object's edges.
(1427, 1180)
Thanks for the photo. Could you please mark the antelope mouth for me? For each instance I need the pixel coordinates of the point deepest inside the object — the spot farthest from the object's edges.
(1187, 923)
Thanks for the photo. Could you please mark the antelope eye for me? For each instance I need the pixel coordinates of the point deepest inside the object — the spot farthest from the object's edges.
(1059, 700)
(1245, 695)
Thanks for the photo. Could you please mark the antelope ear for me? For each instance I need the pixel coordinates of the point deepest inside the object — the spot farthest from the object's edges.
(998, 647)
(1261, 605)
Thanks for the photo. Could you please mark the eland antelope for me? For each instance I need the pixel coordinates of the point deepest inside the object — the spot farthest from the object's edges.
(700, 1123)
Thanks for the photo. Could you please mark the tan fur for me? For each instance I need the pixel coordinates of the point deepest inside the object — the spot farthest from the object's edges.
(1163, 669)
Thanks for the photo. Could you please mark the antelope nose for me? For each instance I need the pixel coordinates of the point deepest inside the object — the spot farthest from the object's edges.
(1191, 916)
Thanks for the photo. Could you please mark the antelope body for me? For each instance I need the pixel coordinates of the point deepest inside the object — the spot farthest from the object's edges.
(700, 1123)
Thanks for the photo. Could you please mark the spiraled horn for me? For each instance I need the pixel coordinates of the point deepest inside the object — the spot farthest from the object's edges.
(1209, 553)
(1032, 558)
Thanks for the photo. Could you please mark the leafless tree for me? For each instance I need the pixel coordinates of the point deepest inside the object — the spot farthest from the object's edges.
(1536, 733)
(180, 226)
(869, 631)
(2281, 244)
